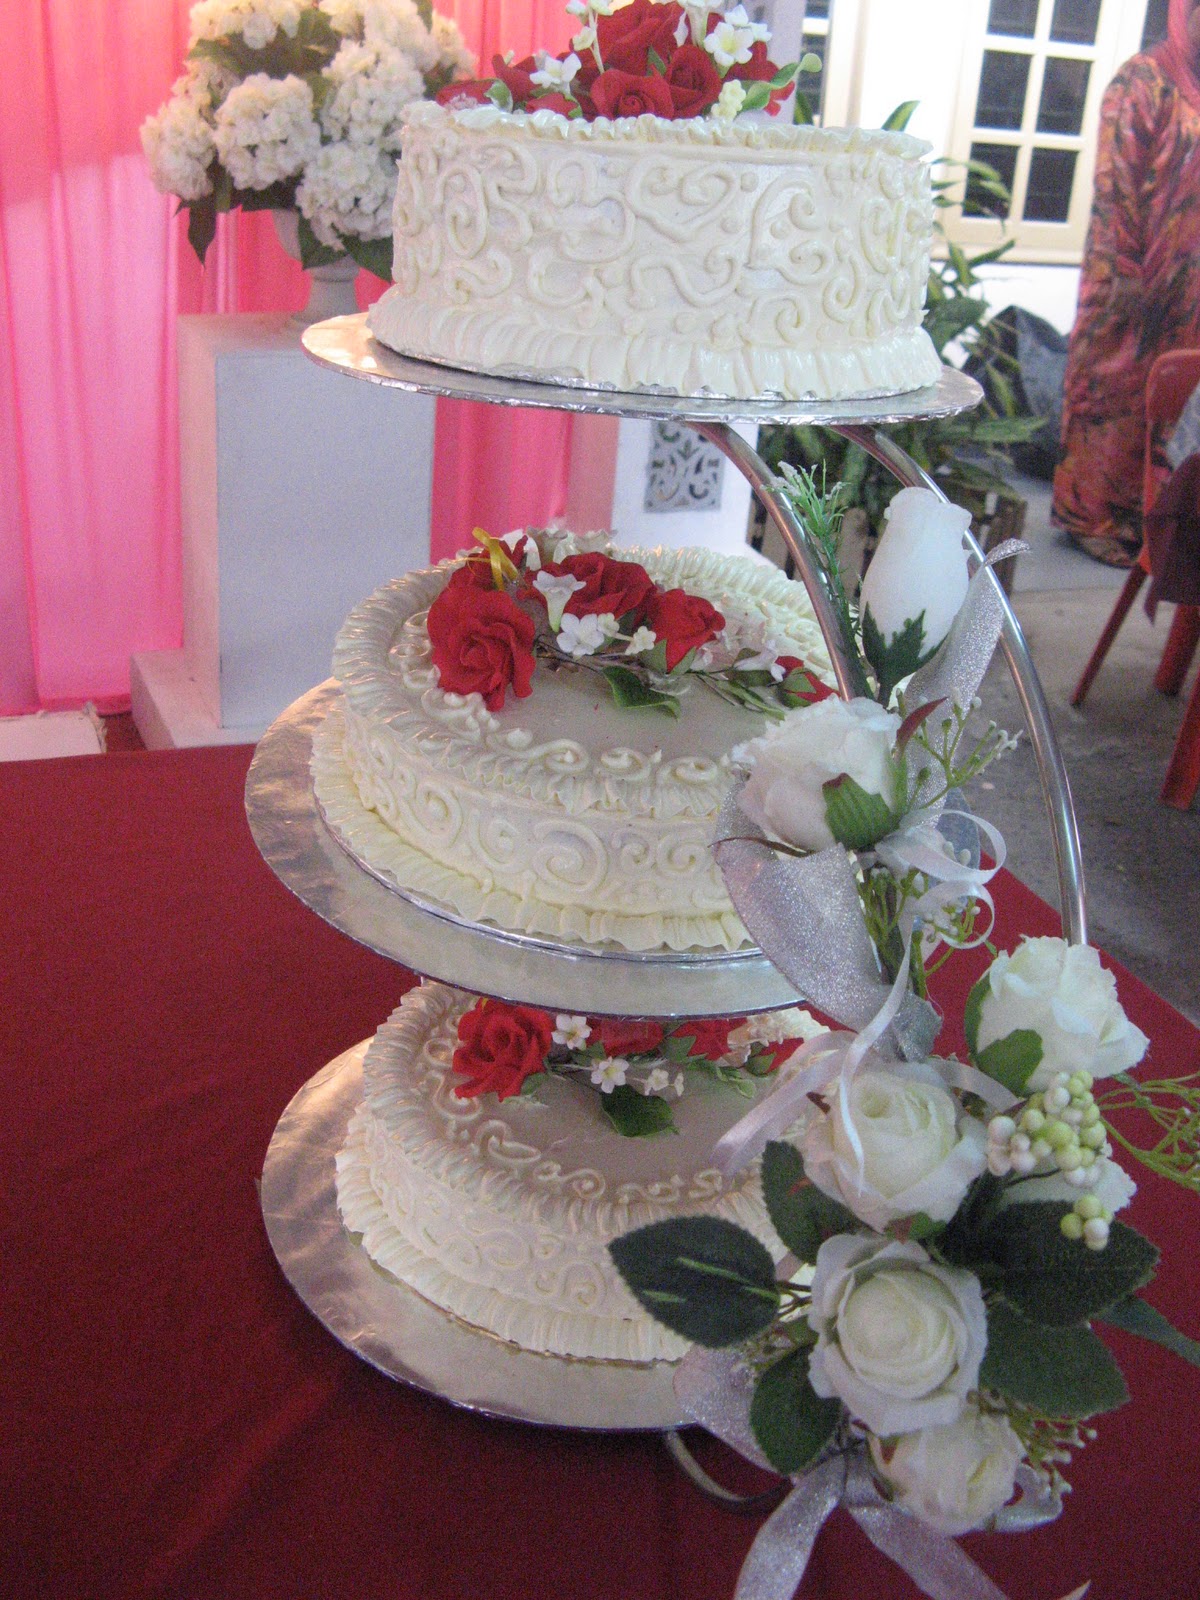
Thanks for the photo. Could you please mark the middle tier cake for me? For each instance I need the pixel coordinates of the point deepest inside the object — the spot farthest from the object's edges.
(578, 808)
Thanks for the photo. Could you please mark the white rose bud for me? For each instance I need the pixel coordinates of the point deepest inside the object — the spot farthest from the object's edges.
(1063, 994)
(813, 744)
(954, 1477)
(894, 1143)
(899, 1337)
(917, 574)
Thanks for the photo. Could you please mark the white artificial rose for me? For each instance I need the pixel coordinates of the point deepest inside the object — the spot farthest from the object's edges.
(919, 569)
(790, 763)
(892, 1143)
(899, 1337)
(1063, 994)
(955, 1477)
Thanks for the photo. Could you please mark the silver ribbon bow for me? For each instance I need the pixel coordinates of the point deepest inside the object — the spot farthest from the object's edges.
(715, 1387)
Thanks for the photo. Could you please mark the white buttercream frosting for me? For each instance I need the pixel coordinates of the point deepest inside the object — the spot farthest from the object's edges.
(737, 259)
(561, 814)
(501, 1212)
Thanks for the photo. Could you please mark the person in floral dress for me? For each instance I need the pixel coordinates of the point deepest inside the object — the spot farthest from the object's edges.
(1139, 289)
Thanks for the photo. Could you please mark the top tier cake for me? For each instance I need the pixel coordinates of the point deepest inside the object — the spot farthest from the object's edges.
(696, 256)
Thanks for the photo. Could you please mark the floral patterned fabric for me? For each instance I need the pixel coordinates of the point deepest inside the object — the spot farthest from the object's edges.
(1139, 295)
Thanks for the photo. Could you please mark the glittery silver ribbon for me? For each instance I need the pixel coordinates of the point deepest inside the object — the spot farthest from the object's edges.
(715, 1387)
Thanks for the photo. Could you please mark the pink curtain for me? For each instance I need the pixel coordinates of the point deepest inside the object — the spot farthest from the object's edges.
(94, 270)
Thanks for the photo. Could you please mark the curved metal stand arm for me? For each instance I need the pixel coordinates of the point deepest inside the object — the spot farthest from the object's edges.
(691, 1468)
(1052, 773)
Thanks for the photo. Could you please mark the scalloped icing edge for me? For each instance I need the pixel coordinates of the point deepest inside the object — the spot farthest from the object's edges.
(382, 853)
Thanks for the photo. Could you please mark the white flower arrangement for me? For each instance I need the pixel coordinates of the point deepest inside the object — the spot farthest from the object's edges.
(930, 1349)
(297, 103)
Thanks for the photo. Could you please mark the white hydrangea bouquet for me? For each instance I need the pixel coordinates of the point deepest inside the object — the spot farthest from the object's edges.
(296, 104)
(925, 1355)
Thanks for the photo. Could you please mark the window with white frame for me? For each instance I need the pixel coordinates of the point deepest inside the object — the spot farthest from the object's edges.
(1015, 84)
(1039, 69)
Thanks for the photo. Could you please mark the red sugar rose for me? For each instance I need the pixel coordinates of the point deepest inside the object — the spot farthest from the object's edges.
(474, 573)
(693, 80)
(499, 1046)
(516, 76)
(627, 1036)
(800, 685)
(760, 69)
(554, 102)
(626, 38)
(482, 642)
(710, 1035)
(472, 91)
(684, 621)
(608, 585)
(622, 94)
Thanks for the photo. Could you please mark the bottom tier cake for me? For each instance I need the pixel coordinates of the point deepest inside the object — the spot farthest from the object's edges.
(500, 1211)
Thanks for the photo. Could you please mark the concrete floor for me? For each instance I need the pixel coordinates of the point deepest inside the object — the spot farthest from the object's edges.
(1142, 859)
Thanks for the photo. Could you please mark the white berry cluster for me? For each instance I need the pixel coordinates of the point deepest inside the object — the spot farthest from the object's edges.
(1059, 1131)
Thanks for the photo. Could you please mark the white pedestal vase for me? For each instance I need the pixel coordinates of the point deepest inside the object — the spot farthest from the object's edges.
(330, 287)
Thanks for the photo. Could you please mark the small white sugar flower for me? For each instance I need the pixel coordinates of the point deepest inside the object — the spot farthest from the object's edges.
(609, 625)
(679, 1084)
(657, 1080)
(557, 589)
(585, 39)
(730, 100)
(728, 44)
(609, 1073)
(643, 639)
(554, 74)
(581, 636)
(573, 1032)
(759, 32)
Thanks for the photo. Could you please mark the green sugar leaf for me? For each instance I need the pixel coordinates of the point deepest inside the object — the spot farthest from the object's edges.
(637, 1116)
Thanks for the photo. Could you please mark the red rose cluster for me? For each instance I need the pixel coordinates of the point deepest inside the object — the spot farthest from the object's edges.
(636, 68)
(483, 638)
(501, 1045)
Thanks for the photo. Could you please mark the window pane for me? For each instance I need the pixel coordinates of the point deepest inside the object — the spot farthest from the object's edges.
(1155, 30)
(1075, 21)
(979, 200)
(1015, 17)
(1064, 89)
(1002, 86)
(1051, 174)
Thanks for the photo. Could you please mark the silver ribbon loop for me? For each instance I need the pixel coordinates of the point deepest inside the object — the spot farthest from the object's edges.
(716, 1386)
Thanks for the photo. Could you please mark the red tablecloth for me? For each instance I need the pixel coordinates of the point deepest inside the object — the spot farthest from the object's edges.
(176, 1424)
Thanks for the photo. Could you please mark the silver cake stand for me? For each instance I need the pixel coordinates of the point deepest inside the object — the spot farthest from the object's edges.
(385, 1323)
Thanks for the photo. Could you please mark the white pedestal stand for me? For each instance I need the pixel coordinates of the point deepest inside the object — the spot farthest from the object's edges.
(287, 476)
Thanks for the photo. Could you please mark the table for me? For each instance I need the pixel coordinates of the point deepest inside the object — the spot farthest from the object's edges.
(177, 1427)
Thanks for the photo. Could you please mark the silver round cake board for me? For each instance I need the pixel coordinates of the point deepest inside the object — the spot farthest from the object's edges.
(391, 1326)
(294, 840)
(346, 345)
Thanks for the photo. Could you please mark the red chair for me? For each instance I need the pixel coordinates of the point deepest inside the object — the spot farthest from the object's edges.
(1172, 379)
